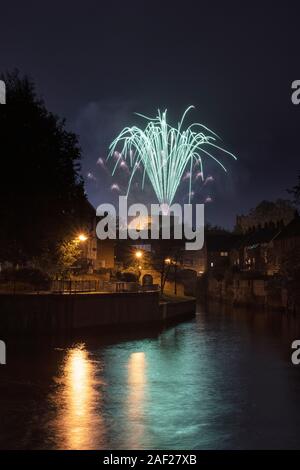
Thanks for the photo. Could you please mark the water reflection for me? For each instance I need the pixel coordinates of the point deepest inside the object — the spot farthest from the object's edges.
(79, 422)
(136, 398)
(224, 380)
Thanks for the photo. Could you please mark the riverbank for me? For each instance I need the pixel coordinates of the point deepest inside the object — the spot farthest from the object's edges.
(247, 290)
(55, 312)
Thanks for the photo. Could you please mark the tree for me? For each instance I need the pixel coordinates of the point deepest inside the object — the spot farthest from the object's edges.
(166, 255)
(295, 191)
(41, 192)
(290, 268)
(290, 264)
(68, 253)
(216, 230)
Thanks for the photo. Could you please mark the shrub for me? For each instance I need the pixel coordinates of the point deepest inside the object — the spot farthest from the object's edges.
(32, 276)
(129, 276)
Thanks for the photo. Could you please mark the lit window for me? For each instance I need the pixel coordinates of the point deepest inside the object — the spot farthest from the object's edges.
(224, 253)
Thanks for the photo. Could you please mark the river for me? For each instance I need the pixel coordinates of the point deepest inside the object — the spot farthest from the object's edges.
(223, 380)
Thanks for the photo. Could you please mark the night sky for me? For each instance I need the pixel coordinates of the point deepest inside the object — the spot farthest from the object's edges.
(96, 63)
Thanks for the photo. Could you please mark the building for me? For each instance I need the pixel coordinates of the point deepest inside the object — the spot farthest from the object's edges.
(105, 254)
(251, 251)
(87, 239)
(284, 250)
(218, 249)
(255, 250)
(278, 213)
(195, 260)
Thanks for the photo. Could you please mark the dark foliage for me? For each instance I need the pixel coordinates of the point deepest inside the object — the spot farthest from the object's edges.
(32, 276)
(128, 276)
(295, 191)
(41, 191)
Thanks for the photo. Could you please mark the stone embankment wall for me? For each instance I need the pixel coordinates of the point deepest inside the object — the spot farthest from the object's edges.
(252, 292)
(59, 312)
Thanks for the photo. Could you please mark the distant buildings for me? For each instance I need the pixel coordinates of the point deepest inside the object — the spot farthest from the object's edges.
(218, 247)
(258, 248)
(105, 254)
(284, 251)
(258, 264)
(194, 260)
(259, 245)
(251, 250)
(86, 238)
(266, 214)
(95, 254)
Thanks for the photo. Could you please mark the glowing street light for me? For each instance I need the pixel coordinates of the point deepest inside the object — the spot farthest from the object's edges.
(138, 254)
(82, 237)
(170, 262)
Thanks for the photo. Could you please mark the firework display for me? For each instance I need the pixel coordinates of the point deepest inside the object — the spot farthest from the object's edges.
(165, 153)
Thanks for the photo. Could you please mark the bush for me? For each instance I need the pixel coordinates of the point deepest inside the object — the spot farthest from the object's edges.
(129, 276)
(32, 276)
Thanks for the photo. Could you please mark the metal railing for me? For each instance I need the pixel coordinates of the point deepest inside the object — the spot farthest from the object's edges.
(71, 286)
(74, 286)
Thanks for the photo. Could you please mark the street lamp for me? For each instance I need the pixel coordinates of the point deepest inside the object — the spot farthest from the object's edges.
(173, 263)
(138, 254)
(82, 237)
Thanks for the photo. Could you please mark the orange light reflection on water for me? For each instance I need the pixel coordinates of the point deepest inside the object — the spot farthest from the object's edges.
(79, 423)
(137, 382)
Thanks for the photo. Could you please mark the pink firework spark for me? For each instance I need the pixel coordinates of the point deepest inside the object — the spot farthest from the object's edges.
(209, 179)
(90, 176)
(100, 161)
(199, 175)
(115, 187)
(123, 164)
(186, 176)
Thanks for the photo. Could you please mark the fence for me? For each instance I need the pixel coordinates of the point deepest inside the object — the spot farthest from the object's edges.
(16, 287)
(72, 286)
(68, 286)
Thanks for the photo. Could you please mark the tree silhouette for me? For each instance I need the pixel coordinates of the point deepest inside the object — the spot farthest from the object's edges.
(295, 191)
(41, 192)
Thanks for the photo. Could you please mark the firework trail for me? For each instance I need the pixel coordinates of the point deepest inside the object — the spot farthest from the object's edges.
(165, 153)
